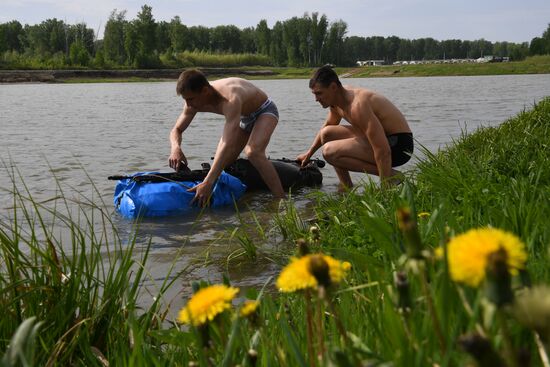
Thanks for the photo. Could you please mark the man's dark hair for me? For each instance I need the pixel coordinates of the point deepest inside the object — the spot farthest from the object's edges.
(191, 80)
(324, 76)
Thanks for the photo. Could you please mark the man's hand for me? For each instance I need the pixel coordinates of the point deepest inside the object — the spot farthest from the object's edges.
(303, 159)
(177, 160)
(203, 192)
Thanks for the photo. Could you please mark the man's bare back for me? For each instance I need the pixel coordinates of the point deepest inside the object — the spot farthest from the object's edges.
(232, 90)
(391, 119)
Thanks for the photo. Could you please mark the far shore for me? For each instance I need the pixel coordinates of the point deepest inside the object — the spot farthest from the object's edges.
(532, 65)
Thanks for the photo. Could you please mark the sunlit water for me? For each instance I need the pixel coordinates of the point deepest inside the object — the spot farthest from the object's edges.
(116, 128)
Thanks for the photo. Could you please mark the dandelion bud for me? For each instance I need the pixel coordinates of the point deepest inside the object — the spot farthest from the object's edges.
(403, 292)
(303, 249)
(481, 349)
(319, 268)
(314, 233)
(498, 281)
(408, 226)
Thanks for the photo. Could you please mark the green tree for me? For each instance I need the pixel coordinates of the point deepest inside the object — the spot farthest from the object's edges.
(405, 52)
(263, 37)
(47, 38)
(131, 43)
(78, 54)
(199, 37)
(481, 48)
(248, 43)
(11, 35)
(335, 42)
(537, 46)
(356, 49)
(179, 35)
(291, 41)
(81, 33)
(114, 47)
(319, 28)
(546, 38)
(305, 38)
(225, 38)
(162, 36)
(146, 29)
(277, 48)
(391, 47)
(518, 52)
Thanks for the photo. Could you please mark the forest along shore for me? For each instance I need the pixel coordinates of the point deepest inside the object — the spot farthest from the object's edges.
(53, 76)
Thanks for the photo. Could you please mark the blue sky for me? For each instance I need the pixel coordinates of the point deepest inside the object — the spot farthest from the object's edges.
(493, 20)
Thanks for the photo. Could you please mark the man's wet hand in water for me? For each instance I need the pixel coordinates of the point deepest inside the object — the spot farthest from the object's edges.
(203, 192)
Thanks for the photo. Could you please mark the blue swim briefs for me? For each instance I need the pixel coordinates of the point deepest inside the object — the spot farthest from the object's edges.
(268, 107)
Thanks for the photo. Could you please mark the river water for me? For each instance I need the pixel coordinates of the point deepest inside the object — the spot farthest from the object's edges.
(75, 130)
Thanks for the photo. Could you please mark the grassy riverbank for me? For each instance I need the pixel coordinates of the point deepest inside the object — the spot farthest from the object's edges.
(532, 65)
(398, 305)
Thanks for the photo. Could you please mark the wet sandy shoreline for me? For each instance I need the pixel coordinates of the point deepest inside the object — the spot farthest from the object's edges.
(54, 76)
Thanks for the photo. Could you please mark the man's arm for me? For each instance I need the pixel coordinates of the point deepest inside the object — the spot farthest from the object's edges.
(176, 154)
(332, 119)
(228, 149)
(376, 136)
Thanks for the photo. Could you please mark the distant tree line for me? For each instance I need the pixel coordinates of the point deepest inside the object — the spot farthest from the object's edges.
(309, 40)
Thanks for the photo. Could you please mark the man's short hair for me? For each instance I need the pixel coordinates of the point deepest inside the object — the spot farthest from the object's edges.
(324, 76)
(191, 80)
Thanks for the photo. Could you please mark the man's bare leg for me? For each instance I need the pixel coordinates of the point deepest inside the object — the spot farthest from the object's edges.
(255, 151)
(345, 179)
(349, 154)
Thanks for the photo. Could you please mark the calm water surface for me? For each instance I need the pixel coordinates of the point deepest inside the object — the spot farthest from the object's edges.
(123, 127)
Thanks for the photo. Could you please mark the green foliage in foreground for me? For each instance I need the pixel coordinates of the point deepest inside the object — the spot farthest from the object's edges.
(80, 305)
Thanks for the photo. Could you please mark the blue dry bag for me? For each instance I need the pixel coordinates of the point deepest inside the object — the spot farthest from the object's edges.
(157, 199)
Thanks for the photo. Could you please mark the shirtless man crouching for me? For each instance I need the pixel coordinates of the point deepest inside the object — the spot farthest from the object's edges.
(250, 118)
(378, 138)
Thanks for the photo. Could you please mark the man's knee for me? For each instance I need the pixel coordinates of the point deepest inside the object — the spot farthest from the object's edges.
(329, 152)
(325, 134)
(254, 154)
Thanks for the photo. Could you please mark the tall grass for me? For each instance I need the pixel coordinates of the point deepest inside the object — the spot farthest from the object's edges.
(64, 265)
(494, 177)
(209, 59)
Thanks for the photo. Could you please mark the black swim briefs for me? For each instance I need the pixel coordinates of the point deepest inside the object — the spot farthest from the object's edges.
(402, 146)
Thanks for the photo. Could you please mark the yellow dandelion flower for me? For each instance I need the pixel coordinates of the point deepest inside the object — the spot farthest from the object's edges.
(249, 307)
(423, 215)
(297, 275)
(206, 304)
(467, 253)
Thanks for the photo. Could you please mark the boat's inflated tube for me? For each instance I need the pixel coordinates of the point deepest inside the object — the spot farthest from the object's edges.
(290, 174)
(155, 194)
(135, 198)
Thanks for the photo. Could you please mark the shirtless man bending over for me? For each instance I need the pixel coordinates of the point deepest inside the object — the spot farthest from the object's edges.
(378, 138)
(250, 118)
